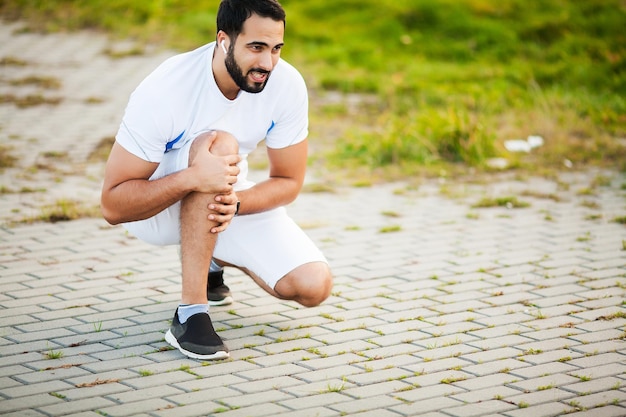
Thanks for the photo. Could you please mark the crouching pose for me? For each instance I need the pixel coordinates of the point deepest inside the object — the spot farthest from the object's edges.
(177, 173)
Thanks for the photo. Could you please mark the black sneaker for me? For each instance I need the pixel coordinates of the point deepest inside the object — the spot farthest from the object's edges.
(196, 338)
(217, 292)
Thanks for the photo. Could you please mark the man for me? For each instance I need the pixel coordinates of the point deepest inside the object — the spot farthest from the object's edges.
(175, 176)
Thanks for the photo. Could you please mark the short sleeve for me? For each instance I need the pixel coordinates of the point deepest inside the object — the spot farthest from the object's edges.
(291, 124)
(146, 127)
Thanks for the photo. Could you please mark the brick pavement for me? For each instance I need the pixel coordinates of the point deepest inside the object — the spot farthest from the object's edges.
(439, 308)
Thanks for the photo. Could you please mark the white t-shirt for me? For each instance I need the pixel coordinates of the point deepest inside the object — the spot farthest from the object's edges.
(180, 99)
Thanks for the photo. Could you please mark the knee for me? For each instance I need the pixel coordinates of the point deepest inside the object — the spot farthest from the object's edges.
(324, 286)
(223, 144)
(309, 285)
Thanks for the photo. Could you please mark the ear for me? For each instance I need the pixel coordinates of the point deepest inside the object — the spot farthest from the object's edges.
(221, 37)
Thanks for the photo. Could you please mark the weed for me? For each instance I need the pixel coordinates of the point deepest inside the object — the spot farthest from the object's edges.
(508, 202)
(619, 219)
(334, 388)
(586, 191)
(590, 204)
(94, 100)
(9, 61)
(329, 317)
(452, 380)
(37, 81)
(54, 354)
(187, 369)
(601, 181)
(593, 217)
(64, 210)
(100, 152)
(613, 316)
(408, 388)
(318, 188)
(390, 229)
(117, 54)
(585, 238)
(29, 100)
(7, 160)
(536, 194)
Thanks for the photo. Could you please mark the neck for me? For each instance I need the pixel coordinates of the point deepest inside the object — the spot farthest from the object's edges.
(222, 78)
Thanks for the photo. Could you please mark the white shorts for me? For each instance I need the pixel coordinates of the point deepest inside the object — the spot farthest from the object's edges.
(269, 244)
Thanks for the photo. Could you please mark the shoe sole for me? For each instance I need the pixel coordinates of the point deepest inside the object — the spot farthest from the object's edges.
(169, 338)
(223, 302)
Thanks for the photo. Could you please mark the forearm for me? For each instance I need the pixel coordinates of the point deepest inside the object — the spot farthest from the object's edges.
(140, 199)
(269, 194)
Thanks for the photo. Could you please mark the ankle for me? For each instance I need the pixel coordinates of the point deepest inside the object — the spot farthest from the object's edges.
(187, 310)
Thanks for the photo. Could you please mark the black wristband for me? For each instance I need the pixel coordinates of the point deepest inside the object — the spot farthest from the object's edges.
(237, 210)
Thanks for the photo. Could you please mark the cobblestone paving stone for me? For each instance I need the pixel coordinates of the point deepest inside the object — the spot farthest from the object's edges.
(439, 309)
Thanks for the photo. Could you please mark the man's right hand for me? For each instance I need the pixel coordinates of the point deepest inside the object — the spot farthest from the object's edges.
(215, 171)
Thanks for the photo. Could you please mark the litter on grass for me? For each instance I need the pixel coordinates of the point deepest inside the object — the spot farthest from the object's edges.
(521, 145)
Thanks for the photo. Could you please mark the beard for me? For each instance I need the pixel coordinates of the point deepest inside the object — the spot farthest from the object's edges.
(236, 73)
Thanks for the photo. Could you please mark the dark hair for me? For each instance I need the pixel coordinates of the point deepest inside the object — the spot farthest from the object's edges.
(232, 14)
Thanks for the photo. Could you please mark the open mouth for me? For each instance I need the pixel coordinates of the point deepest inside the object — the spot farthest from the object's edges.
(258, 76)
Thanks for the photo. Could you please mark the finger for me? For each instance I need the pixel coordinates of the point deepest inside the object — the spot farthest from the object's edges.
(232, 159)
(233, 170)
(219, 209)
(220, 228)
(221, 218)
(227, 199)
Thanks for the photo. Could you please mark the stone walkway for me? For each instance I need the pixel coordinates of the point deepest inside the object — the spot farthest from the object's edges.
(440, 308)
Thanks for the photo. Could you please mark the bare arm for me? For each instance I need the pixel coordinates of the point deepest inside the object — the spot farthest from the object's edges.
(287, 171)
(129, 195)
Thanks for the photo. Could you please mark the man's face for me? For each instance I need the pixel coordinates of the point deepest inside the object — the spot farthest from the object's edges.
(255, 52)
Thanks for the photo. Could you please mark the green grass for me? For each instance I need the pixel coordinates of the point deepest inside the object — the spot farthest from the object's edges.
(443, 82)
(63, 210)
(7, 159)
(508, 202)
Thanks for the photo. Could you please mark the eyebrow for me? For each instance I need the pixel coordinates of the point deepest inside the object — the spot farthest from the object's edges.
(259, 43)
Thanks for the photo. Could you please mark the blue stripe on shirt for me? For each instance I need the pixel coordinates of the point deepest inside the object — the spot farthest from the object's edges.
(169, 145)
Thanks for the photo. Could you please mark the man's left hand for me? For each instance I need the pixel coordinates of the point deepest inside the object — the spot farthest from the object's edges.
(222, 211)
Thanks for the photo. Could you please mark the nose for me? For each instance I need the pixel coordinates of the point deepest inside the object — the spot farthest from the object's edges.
(266, 61)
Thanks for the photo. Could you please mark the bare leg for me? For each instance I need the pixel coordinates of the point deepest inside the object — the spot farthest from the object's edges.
(197, 241)
(309, 284)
